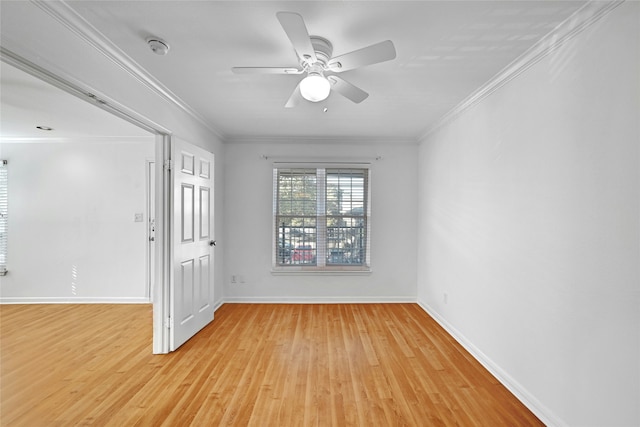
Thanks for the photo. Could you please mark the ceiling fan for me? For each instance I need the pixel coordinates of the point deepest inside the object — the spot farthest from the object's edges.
(315, 59)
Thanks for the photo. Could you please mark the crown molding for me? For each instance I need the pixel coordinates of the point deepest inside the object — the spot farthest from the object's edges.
(77, 139)
(73, 21)
(328, 140)
(580, 20)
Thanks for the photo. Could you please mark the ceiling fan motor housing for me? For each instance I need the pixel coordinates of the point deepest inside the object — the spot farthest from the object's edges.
(323, 49)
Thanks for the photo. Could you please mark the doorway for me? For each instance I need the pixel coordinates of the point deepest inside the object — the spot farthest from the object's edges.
(85, 224)
(68, 104)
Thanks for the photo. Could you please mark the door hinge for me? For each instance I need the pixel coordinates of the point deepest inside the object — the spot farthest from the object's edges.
(168, 323)
(168, 165)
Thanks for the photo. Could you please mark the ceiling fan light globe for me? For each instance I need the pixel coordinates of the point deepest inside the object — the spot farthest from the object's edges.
(315, 88)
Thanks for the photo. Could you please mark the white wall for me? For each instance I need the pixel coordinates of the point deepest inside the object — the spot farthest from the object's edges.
(248, 236)
(72, 235)
(529, 222)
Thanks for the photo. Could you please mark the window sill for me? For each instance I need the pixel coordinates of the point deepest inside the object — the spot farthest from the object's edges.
(334, 271)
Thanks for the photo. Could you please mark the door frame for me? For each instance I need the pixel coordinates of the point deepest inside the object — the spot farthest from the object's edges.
(150, 177)
(161, 297)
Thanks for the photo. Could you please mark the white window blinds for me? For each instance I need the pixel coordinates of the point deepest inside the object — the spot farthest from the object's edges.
(4, 215)
(321, 217)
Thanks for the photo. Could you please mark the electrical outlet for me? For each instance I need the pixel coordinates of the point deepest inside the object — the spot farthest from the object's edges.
(138, 217)
(234, 279)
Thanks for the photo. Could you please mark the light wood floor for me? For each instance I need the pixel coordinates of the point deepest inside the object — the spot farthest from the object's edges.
(261, 365)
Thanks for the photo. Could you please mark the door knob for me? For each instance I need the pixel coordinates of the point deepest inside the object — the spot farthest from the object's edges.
(212, 243)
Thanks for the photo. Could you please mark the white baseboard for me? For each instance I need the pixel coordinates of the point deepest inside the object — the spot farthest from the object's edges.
(534, 405)
(217, 305)
(74, 300)
(319, 300)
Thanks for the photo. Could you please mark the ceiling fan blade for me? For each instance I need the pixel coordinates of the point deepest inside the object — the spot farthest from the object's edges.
(296, 30)
(379, 52)
(347, 90)
(295, 98)
(266, 70)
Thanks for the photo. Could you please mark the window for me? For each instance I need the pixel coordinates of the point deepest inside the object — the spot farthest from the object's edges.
(321, 218)
(4, 219)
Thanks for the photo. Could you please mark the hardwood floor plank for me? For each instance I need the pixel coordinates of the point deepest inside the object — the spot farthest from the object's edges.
(255, 365)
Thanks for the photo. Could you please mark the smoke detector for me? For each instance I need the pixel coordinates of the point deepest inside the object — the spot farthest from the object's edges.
(158, 46)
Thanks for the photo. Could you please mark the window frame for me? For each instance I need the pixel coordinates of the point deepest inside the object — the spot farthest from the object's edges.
(321, 265)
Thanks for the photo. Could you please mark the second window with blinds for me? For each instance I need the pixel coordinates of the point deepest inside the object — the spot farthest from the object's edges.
(321, 219)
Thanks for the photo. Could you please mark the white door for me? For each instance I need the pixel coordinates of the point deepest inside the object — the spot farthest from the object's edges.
(191, 296)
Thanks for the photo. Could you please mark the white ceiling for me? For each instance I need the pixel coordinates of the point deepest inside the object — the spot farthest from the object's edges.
(445, 51)
(27, 102)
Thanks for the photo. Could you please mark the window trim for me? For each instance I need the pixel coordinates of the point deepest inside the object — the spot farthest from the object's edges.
(323, 269)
